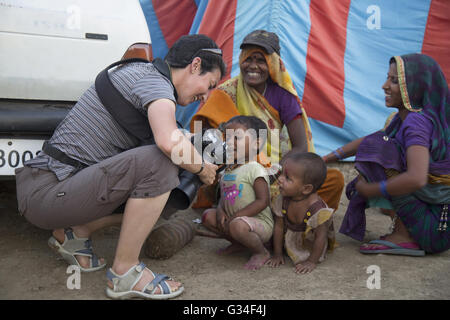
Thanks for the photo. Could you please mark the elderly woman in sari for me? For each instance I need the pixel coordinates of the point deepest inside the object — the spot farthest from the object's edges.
(264, 89)
(406, 166)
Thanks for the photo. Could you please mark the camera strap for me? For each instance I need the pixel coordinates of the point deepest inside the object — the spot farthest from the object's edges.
(122, 110)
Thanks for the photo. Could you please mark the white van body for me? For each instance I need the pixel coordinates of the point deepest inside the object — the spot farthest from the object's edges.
(50, 53)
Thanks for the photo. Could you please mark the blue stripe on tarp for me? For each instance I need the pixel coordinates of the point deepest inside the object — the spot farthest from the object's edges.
(159, 44)
(293, 30)
(250, 15)
(201, 8)
(366, 62)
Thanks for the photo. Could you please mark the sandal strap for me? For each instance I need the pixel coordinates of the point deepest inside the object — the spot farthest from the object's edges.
(158, 281)
(72, 243)
(128, 280)
(80, 247)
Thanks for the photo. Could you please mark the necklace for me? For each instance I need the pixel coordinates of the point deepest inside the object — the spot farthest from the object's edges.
(265, 87)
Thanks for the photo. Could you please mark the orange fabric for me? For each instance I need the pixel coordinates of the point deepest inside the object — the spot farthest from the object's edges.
(216, 115)
(204, 198)
(332, 188)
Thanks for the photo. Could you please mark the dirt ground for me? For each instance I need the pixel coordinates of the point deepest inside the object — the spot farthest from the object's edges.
(30, 270)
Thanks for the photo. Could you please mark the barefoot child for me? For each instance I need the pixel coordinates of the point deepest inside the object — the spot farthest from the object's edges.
(303, 222)
(243, 215)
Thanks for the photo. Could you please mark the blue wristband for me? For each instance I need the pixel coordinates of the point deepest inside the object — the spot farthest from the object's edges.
(384, 190)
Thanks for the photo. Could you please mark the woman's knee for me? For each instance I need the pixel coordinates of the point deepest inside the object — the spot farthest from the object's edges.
(155, 172)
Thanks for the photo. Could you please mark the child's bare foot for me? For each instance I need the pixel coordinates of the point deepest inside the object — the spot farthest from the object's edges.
(257, 261)
(232, 248)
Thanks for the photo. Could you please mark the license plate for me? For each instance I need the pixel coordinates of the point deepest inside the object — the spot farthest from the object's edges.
(14, 152)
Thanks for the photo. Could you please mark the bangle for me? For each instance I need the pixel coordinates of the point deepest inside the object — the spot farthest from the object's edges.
(201, 169)
(337, 154)
(383, 189)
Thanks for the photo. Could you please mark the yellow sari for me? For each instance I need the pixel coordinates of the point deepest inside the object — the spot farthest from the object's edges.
(235, 97)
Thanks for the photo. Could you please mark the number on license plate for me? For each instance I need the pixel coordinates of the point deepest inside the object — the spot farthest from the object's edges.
(14, 152)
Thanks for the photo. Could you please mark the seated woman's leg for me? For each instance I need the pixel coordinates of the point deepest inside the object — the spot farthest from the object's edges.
(421, 222)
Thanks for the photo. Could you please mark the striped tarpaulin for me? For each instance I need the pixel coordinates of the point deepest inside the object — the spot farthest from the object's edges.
(336, 52)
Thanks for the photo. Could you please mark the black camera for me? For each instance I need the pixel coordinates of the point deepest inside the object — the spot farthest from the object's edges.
(209, 143)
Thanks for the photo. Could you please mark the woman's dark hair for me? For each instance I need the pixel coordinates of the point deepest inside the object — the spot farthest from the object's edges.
(186, 48)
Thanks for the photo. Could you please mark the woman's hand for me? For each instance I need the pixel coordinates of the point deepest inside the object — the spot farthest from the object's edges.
(208, 174)
(221, 220)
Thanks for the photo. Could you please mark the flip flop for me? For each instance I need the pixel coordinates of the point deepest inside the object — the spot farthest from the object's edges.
(405, 248)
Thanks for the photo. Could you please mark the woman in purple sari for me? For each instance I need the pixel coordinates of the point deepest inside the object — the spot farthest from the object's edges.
(406, 166)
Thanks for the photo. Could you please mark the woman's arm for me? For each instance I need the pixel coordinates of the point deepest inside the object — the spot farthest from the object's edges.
(262, 199)
(171, 141)
(297, 135)
(345, 151)
(414, 178)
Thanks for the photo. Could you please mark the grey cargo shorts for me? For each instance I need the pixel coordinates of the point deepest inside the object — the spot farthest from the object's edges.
(96, 191)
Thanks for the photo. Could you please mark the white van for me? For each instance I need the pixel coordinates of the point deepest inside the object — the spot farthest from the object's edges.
(50, 53)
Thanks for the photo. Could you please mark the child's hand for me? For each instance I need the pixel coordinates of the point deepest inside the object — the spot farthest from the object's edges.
(221, 220)
(275, 261)
(305, 267)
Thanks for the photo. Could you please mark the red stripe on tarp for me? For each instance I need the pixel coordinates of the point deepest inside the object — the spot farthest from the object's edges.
(174, 17)
(436, 41)
(218, 23)
(323, 95)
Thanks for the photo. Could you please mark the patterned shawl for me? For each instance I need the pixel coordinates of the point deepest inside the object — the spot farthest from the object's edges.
(424, 89)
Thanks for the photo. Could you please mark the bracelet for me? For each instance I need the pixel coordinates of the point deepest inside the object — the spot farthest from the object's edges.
(383, 189)
(201, 169)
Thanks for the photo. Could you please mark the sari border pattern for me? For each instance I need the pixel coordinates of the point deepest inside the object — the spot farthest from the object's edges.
(402, 82)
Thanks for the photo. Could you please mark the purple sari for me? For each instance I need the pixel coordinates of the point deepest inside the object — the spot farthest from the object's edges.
(424, 92)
